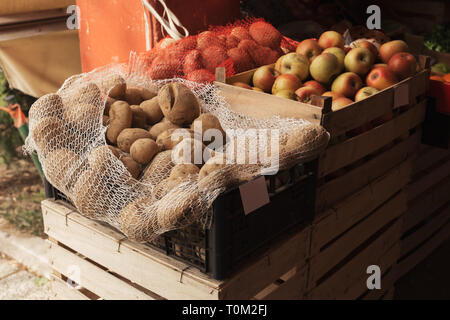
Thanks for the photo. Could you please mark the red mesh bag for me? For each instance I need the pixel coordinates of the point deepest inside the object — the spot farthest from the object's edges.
(238, 47)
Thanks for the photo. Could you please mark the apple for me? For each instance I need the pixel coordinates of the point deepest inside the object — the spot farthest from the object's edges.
(316, 85)
(340, 103)
(403, 64)
(359, 60)
(380, 78)
(365, 92)
(257, 89)
(331, 39)
(293, 63)
(339, 53)
(285, 94)
(309, 48)
(333, 95)
(278, 63)
(324, 68)
(242, 85)
(347, 84)
(390, 48)
(286, 81)
(304, 94)
(382, 65)
(264, 77)
(370, 46)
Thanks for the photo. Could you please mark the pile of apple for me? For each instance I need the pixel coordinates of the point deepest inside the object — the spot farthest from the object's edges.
(325, 67)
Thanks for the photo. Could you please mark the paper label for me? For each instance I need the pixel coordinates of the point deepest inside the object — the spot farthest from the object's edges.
(254, 195)
(401, 95)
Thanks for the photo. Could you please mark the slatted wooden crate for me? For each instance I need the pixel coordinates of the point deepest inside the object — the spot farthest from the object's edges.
(426, 223)
(110, 267)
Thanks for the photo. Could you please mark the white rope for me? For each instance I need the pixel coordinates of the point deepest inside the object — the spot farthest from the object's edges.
(169, 22)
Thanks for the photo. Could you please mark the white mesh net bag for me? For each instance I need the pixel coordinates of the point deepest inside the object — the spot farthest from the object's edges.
(69, 133)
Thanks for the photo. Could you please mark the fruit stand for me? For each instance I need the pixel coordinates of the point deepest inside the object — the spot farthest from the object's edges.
(355, 186)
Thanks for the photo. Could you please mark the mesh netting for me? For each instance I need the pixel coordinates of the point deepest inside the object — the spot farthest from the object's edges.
(98, 172)
(241, 46)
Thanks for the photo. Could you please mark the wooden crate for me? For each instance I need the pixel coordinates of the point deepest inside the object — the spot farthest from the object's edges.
(111, 267)
(426, 223)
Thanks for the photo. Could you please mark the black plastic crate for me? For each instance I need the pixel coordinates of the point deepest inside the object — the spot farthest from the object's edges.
(234, 236)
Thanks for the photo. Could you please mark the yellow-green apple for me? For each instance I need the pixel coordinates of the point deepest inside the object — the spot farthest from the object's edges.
(390, 48)
(324, 68)
(368, 45)
(347, 84)
(242, 85)
(331, 39)
(278, 63)
(257, 89)
(264, 77)
(286, 81)
(339, 53)
(380, 78)
(285, 94)
(309, 48)
(333, 95)
(340, 103)
(316, 85)
(304, 94)
(365, 92)
(403, 64)
(359, 61)
(293, 63)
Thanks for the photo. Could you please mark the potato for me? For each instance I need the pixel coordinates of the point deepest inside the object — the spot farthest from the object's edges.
(152, 110)
(130, 135)
(82, 115)
(105, 121)
(87, 193)
(62, 168)
(158, 169)
(162, 188)
(132, 166)
(102, 158)
(147, 94)
(133, 95)
(170, 138)
(120, 117)
(213, 164)
(143, 150)
(88, 93)
(108, 103)
(302, 139)
(115, 86)
(115, 151)
(208, 121)
(183, 170)
(160, 127)
(139, 117)
(47, 133)
(48, 105)
(188, 151)
(178, 104)
(133, 222)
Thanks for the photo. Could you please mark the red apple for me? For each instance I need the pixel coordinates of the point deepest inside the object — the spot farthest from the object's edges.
(359, 61)
(316, 85)
(264, 77)
(333, 95)
(380, 78)
(347, 84)
(286, 82)
(403, 64)
(331, 39)
(309, 48)
(242, 85)
(304, 94)
(365, 92)
(370, 46)
(390, 48)
(340, 103)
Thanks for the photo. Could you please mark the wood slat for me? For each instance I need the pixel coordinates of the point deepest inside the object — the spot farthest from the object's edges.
(350, 182)
(427, 158)
(293, 288)
(344, 215)
(63, 292)
(92, 277)
(429, 179)
(341, 155)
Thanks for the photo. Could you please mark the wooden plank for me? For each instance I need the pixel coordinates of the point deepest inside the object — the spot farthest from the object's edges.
(427, 158)
(292, 289)
(390, 294)
(422, 207)
(167, 277)
(348, 212)
(356, 236)
(416, 238)
(355, 179)
(262, 105)
(408, 263)
(341, 155)
(64, 292)
(335, 286)
(426, 181)
(253, 279)
(92, 277)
